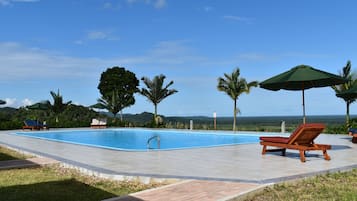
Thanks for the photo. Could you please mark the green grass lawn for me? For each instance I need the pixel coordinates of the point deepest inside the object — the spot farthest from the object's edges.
(336, 186)
(8, 154)
(57, 183)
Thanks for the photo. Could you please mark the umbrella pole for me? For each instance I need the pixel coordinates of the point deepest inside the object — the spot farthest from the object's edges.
(303, 105)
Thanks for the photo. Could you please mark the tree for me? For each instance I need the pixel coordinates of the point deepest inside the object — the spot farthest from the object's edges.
(155, 91)
(58, 104)
(352, 81)
(117, 87)
(234, 86)
(111, 103)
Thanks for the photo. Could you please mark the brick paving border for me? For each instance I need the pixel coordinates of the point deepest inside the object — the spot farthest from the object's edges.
(192, 190)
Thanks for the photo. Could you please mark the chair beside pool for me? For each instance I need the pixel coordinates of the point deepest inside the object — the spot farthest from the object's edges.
(98, 123)
(353, 132)
(302, 139)
(33, 125)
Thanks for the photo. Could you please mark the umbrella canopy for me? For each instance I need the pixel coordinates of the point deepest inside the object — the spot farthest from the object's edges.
(39, 106)
(300, 78)
(348, 94)
(2, 102)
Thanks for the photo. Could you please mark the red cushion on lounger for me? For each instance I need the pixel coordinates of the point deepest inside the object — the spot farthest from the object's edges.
(284, 140)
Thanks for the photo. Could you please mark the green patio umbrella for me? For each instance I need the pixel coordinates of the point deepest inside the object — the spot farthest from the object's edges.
(300, 78)
(2, 102)
(348, 94)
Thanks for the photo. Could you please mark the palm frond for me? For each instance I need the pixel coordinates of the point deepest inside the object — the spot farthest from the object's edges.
(155, 90)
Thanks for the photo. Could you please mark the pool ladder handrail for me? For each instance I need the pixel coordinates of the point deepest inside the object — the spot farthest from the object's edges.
(153, 137)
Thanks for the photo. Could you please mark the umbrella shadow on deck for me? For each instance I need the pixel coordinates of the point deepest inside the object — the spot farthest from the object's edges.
(308, 154)
(340, 147)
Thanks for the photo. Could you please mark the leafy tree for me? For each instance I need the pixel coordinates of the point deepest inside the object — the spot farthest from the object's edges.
(155, 91)
(234, 86)
(111, 103)
(58, 104)
(117, 87)
(352, 81)
(2, 102)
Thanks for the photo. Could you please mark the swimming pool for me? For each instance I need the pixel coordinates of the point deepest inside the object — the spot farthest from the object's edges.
(142, 139)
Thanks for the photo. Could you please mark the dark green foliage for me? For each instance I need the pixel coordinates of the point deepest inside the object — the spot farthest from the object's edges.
(72, 116)
(234, 86)
(117, 87)
(352, 81)
(58, 104)
(155, 91)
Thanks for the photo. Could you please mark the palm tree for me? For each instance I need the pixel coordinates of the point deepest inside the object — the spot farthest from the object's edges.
(234, 86)
(58, 104)
(352, 81)
(155, 91)
(112, 103)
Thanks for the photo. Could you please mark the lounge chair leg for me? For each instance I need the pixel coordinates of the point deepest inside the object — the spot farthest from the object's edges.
(302, 155)
(326, 156)
(264, 149)
(283, 152)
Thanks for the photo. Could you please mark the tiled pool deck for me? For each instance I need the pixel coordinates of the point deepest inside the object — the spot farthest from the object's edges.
(240, 163)
(219, 173)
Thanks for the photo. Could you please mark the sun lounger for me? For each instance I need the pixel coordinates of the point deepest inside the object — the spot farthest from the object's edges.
(302, 139)
(98, 123)
(353, 132)
(32, 125)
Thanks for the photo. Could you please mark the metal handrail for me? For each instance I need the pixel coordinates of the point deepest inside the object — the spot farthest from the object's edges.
(157, 139)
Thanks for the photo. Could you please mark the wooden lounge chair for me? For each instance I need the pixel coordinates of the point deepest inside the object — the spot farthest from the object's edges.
(353, 132)
(98, 123)
(302, 139)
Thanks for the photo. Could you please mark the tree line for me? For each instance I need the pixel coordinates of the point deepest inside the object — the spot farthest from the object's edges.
(117, 87)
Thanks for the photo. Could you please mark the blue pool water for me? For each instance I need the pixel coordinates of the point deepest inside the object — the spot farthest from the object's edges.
(137, 139)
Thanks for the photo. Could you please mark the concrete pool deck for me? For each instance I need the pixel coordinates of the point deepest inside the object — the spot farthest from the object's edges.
(238, 163)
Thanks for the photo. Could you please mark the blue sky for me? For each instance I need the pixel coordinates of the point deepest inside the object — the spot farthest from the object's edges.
(48, 45)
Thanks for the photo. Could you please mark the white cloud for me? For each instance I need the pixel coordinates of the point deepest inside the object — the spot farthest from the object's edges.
(11, 2)
(158, 4)
(108, 5)
(10, 102)
(79, 42)
(207, 8)
(21, 62)
(166, 53)
(257, 57)
(13, 102)
(26, 1)
(97, 35)
(26, 102)
(94, 35)
(4, 2)
(111, 6)
(238, 18)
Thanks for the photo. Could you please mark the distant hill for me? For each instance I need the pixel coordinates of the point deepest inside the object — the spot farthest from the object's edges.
(8, 109)
(146, 117)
